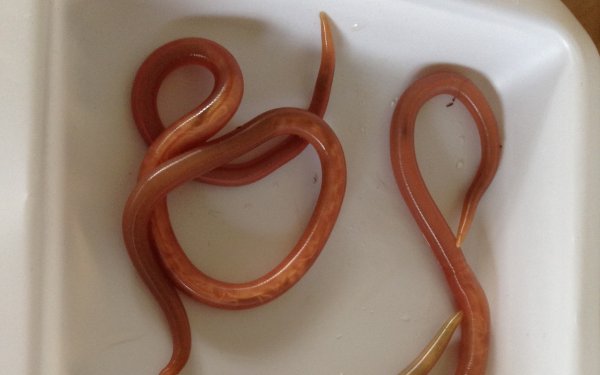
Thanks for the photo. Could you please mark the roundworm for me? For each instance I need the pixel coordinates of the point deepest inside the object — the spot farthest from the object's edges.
(466, 290)
(184, 151)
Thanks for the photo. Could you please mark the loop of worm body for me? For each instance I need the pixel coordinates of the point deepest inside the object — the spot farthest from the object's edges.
(468, 295)
(184, 151)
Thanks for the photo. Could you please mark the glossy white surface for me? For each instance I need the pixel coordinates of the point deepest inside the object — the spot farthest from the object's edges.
(375, 296)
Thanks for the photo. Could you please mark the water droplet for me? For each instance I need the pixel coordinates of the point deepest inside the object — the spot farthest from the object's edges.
(338, 337)
(394, 102)
(462, 140)
(355, 27)
(363, 130)
(405, 318)
(460, 164)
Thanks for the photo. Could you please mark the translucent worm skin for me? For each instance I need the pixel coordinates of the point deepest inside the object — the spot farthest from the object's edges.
(192, 131)
(183, 152)
(214, 112)
(153, 189)
(425, 362)
(468, 294)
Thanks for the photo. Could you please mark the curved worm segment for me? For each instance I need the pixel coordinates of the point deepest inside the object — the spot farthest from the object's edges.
(241, 173)
(182, 151)
(322, 90)
(196, 127)
(466, 290)
(282, 122)
(434, 350)
(177, 171)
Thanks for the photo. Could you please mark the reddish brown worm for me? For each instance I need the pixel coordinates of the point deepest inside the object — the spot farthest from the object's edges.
(191, 280)
(468, 295)
(201, 160)
(214, 112)
(183, 152)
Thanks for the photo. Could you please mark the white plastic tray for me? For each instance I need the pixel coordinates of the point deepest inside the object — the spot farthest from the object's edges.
(72, 301)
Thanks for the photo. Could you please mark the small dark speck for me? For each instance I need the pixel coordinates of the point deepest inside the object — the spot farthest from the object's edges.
(451, 103)
(315, 178)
